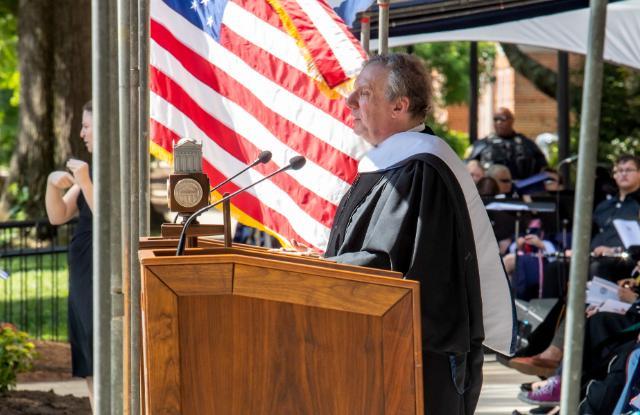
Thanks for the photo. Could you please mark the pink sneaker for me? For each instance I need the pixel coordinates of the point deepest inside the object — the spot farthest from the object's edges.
(548, 395)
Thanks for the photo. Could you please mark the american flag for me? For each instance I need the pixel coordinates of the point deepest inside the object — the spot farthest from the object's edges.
(242, 76)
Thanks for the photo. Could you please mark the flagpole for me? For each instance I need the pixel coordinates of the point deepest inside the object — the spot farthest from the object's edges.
(115, 228)
(134, 212)
(589, 127)
(124, 98)
(143, 49)
(383, 27)
(365, 31)
(103, 88)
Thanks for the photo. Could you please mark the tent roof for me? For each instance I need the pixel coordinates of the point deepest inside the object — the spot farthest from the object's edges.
(425, 16)
(561, 25)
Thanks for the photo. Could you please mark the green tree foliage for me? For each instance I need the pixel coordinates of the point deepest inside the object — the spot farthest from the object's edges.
(9, 81)
(619, 126)
(451, 61)
(619, 120)
(457, 140)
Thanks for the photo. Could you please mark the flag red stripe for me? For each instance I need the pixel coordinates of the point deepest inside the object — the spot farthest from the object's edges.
(251, 206)
(347, 33)
(263, 11)
(246, 202)
(303, 142)
(162, 136)
(321, 53)
(287, 76)
(236, 145)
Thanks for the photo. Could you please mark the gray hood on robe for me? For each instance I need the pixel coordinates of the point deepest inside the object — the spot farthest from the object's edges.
(497, 303)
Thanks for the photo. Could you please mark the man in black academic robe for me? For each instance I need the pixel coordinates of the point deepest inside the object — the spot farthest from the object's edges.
(413, 208)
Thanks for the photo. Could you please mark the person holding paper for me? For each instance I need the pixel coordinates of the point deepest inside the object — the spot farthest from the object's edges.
(625, 205)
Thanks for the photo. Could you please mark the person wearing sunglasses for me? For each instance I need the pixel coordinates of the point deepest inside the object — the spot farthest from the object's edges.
(505, 146)
(502, 175)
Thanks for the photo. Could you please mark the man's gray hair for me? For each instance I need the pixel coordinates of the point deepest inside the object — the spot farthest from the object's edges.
(497, 168)
(409, 78)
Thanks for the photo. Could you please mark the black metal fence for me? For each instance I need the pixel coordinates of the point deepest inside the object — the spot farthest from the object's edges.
(34, 277)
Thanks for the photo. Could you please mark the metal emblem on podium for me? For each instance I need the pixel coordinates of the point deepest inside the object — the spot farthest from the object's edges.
(188, 186)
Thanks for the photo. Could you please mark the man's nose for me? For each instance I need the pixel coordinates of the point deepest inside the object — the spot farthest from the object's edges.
(352, 101)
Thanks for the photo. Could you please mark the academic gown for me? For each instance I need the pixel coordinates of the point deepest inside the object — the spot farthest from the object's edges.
(411, 215)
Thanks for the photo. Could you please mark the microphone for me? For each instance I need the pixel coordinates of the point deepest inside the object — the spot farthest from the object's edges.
(263, 158)
(568, 160)
(295, 163)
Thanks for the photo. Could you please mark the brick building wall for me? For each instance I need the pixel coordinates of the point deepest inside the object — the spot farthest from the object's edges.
(535, 112)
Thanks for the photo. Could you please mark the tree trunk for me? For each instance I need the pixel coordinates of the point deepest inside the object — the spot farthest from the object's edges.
(544, 79)
(34, 148)
(55, 69)
(72, 77)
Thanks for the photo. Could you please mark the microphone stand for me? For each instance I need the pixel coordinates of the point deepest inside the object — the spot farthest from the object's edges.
(295, 163)
(263, 158)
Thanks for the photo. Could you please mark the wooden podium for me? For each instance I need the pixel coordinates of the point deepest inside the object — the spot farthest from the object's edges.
(242, 330)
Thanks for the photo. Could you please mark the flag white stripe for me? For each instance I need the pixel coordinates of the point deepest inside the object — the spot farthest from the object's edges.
(264, 35)
(284, 103)
(268, 193)
(344, 50)
(317, 179)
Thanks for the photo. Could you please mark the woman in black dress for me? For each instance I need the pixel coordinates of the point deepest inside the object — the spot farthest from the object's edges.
(69, 195)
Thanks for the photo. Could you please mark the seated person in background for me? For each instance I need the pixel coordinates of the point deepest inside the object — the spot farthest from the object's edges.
(488, 187)
(625, 205)
(527, 274)
(507, 147)
(554, 183)
(475, 170)
(602, 330)
(251, 236)
(502, 176)
(501, 222)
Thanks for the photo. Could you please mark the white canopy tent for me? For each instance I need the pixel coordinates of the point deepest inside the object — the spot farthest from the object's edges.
(565, 31)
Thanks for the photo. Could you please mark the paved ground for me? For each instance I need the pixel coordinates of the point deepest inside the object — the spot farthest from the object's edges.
(500, 389)
(75, 387)
(498, 397)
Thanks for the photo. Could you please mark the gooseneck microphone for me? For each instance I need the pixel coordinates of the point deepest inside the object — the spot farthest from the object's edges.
(295, 163)
(262, 158)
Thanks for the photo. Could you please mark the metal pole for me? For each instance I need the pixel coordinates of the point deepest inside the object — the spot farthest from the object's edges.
(134, 207)
(114, 216)
(562, 98)
(143, 53)
(589, 129)
(473, 92)
(101, 207)
(125, 168)
(365, 31)
(383, 27)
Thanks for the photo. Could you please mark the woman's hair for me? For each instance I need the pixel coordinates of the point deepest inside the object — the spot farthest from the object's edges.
(88, 106)
(488, 187)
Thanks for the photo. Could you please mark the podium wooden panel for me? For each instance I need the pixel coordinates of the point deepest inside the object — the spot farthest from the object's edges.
(244, 331)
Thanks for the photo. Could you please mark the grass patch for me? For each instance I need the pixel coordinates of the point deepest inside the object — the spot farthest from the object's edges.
(34, 296)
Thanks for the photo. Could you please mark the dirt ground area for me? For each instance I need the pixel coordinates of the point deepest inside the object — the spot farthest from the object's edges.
(42, 403)
(52, 364)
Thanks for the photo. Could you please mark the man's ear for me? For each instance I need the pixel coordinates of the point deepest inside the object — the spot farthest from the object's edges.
(400, 106)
